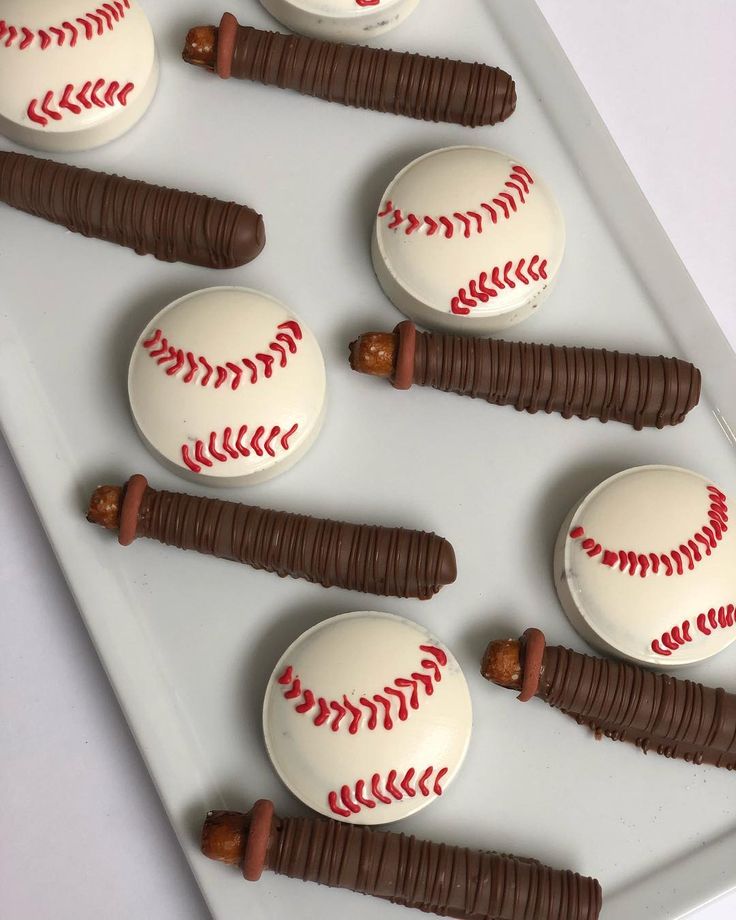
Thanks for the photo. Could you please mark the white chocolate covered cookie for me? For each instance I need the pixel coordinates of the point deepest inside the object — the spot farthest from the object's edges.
(74, 74)
(367, 718)
(340, 20)
(645, 567)
(467, 240)
(227, 386)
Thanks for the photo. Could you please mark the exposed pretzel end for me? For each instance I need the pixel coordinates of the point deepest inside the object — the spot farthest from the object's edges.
(501, 663)
(224, 834)
(374, 353)
(200, 47)
(104, 507)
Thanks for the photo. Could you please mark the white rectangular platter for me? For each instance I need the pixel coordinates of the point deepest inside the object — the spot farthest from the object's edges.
(189, 642)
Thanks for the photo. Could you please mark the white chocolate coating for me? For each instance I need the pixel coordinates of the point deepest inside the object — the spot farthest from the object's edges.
(227, 386)
(467, 240)
(613, 556)
(74, 74)
(340, 20)
(385, 718)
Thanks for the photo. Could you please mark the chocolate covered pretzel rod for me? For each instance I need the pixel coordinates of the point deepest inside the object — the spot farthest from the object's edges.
(432, 89)
(585, 382)
(435, 878)
(173, 226)
(379, 560)
(625, 702)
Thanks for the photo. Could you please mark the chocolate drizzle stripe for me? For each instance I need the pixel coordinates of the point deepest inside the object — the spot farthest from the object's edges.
(170, 224)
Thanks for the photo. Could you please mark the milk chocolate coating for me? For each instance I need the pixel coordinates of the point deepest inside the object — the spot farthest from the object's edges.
(436, 878)
(585, 382)
(173, 226)
(432, 89)
(674, 717)
(388, 561)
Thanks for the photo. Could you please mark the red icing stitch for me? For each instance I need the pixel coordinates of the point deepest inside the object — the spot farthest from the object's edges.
(204, 453)
(677, 561)
(673, 639)
(514, 192)
(290, 333)
(480, 291)
(294, 691)
(423, 781)
(308, 702)
(348, 801)
(41, 110)
(324, 711)
(91, 24)
(339, 714)
(287, 676)
(391, 703)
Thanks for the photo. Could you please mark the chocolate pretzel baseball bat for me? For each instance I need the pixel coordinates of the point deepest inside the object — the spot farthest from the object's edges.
(432, 89)
(446, 880)
(676, 718)
(389, 561)
(173, 226)
(586, 382)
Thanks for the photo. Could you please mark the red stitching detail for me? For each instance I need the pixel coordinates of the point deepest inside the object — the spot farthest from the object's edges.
(339, 714)
(347, 800)
(206, 451)
(388, 722)
(517, 183)
(93, 23)
(688, 554)
(280, 350)
(671, 640)
(255, 441)
(398, 695)
(267, 361)
(392, 702)
(359, 795)
(356, 714)
(308, 703)
(406, 783)
(467, 298)
(350, 800)
(285, 437)
(113, 94)
(290, 333)
(422, 784)
(324, 712)
(227, 446)
(335, 808)
(295, 690)
(375, 780)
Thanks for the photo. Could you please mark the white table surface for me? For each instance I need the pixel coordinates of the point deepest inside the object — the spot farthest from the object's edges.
(83, 832)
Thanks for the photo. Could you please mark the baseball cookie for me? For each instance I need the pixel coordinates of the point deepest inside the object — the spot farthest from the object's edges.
(468, 240)
(74, 75)
(342, 20)
(645, 567)
(227, 386)
(367, 718)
